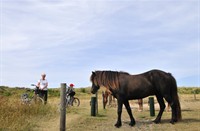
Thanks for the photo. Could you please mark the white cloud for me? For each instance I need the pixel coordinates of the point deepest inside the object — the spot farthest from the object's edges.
(76, 37)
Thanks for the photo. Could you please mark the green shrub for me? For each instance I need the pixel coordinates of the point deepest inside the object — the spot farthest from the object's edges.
(53, 92)
(189, 90)
(7, 93)
(83, 90)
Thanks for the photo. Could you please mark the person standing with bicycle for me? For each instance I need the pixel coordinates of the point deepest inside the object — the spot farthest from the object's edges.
(43, 90)
(70, 92)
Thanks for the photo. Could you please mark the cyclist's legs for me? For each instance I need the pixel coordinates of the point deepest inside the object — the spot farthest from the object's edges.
(41, 94)
(45, 96)
(68, 99)
(71, 99)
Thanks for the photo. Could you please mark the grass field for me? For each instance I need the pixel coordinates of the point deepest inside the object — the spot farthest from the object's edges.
(14, 116)
(106, 119)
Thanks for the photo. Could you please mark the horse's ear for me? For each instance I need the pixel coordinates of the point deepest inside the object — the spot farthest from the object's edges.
(93, 73)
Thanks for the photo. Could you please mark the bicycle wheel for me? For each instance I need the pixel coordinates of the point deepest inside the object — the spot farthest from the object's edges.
(37, 100)
(76, 102)
(25, 101)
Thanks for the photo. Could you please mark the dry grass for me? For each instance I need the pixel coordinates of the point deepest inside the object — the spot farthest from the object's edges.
(14, 116)
(106, 119)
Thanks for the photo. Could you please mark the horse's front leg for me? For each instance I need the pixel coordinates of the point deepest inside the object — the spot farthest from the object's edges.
(128, 108)
(119, 112)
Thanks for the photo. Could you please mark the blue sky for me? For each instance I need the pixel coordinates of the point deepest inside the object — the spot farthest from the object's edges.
(69, 39)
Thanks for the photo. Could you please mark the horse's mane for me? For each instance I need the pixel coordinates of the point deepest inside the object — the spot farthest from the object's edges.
(109, 79)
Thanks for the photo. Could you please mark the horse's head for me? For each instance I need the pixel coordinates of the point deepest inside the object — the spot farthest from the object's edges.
(95, 85)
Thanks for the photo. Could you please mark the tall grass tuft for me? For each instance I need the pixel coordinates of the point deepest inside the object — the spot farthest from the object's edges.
(16, 116)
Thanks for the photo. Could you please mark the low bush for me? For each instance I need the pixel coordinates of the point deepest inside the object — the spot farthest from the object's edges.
(189, 90)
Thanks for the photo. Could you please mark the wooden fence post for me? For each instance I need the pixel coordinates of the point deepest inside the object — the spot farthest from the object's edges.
(151, 105)
(63, 107)
(195, 92)
(96, 102)
(93, 106)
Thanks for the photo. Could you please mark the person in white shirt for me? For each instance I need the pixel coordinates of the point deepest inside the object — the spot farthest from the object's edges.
(43, 84)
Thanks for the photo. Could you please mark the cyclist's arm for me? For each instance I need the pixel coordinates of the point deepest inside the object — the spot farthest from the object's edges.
(38, 84)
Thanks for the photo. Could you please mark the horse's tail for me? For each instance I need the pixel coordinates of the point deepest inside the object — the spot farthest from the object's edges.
(174, 93)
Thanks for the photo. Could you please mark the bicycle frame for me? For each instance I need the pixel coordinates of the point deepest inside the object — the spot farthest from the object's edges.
(72, 101)
(36, 99)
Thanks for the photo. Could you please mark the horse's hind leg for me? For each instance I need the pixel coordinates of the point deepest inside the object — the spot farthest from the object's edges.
(173, 106)
(128, 108)
(119, 112)
(162, 108)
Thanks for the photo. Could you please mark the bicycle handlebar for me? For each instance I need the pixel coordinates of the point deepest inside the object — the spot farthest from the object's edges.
(36, 88)
(34, 85)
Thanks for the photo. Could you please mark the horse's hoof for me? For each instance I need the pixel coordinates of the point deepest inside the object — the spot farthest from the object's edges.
(173, 121)
(156, 121)
(132, 123)
(118, 124)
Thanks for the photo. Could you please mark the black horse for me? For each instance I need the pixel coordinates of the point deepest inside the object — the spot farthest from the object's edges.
(126, 87)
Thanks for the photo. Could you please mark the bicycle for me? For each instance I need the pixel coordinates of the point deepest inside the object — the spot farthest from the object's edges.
(35, 99)
(72, 101)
